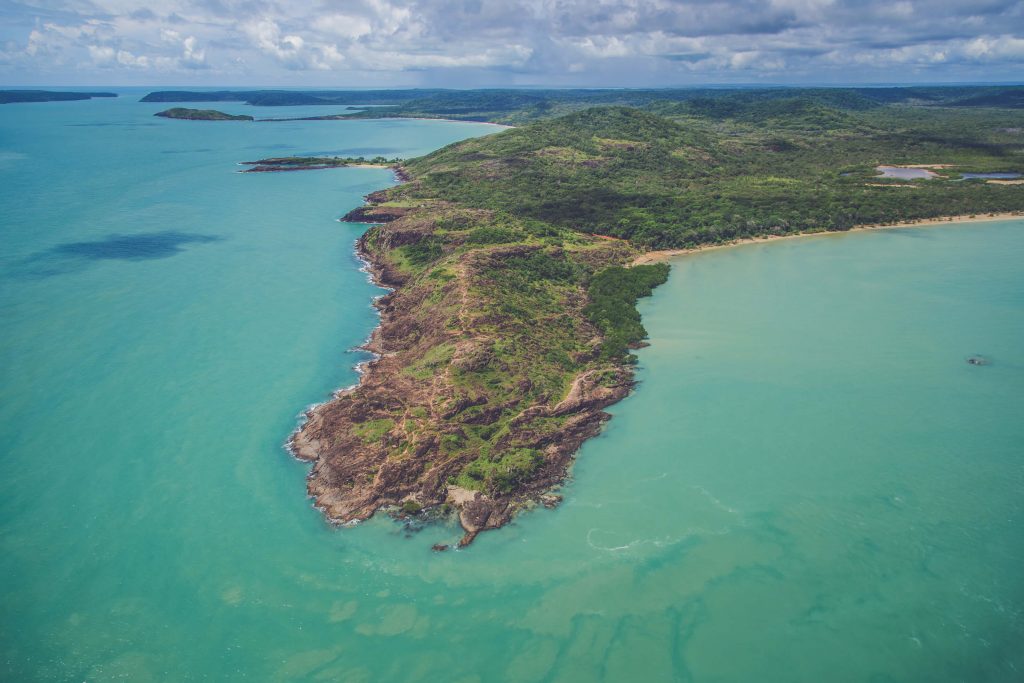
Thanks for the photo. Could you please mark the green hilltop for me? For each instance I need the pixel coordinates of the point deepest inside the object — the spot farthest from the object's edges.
(774, 167)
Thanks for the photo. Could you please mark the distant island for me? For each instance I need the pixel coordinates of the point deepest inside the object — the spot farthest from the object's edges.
(519, 106)
(516, 260)
(289, 98)
(13, 96)
(201, 115)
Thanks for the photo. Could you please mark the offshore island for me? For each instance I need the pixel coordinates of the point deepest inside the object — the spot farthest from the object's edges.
(513, 261)
(201, 115)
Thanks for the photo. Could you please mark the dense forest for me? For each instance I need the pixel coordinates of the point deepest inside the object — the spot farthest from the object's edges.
(717, 170)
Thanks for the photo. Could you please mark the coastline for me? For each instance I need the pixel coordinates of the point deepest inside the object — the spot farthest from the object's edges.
(432, 118)
(667, 254)
(352, 477)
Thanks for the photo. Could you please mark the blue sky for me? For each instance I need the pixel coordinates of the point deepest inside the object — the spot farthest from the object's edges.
(475, 43)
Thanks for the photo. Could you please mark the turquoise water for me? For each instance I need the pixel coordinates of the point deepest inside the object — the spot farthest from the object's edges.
(809, 484)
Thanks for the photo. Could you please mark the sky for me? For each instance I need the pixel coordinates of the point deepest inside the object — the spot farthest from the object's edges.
(498, 43)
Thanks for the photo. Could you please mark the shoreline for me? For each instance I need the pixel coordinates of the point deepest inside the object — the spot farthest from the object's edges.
(351, 479)
(662, 255)
(432, 118)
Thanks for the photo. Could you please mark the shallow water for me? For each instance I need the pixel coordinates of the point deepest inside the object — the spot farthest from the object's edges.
(809, 484)
(991, 176)
(904, 173)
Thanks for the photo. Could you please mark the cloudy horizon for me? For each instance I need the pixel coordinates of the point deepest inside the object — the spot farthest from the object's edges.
(511, 43)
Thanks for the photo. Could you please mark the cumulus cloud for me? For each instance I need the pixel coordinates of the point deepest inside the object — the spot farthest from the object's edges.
(461, 42)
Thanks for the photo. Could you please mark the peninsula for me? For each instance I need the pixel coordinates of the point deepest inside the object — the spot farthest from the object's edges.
(512, 314)
(201, 115)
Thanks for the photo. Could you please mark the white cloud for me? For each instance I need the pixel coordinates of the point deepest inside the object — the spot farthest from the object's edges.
(589, 41)
(343, 25)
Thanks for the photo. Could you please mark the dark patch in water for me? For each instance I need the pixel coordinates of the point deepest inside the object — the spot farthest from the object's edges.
(914, 233)
(133, 247)
(73, 256)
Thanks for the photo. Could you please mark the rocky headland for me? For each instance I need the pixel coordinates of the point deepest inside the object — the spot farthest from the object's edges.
(488, 373)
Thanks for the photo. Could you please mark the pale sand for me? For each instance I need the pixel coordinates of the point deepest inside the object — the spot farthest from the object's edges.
(659, 256)
(1004, 181)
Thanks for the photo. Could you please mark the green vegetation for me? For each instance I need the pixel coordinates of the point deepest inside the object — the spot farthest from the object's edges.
(11, 96)
(491, 235)
(517, 107)
(201, 115)
(410, 507)
(500, 474)
(773, 167)
(523, 106)
(374, 430)
(613, 295)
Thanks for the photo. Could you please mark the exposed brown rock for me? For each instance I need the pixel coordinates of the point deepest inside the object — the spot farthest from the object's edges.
(382, 443)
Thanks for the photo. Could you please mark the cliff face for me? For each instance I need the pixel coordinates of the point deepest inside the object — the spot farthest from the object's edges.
(488, 376)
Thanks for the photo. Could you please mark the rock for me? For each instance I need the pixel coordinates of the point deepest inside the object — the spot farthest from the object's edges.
(550, 500)
(439, 547)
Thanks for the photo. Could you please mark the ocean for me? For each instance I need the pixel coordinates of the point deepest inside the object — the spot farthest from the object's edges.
(809, 483)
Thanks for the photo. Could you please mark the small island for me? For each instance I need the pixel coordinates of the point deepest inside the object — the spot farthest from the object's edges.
(201, 115)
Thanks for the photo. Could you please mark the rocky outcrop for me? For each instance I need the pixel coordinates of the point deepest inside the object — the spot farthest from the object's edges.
(387, 442)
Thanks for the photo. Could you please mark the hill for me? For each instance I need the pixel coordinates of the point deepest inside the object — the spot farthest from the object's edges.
(781, 166)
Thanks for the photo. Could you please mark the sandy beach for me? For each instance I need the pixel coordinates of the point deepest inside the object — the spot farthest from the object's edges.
(664, 255)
